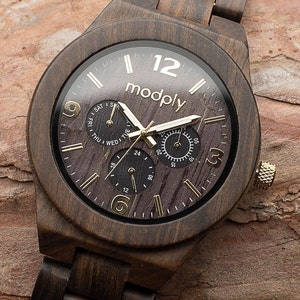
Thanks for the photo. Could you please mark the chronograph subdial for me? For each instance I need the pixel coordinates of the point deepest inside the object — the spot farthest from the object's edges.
(179, 147)
(106, 125)
(132, 172)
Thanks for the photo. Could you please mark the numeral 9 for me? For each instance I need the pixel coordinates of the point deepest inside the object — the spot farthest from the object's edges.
(71, 109)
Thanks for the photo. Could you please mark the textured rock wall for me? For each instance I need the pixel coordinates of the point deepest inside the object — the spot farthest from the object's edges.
(255, 254)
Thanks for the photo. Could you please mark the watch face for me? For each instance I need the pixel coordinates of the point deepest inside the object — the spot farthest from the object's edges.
(144, 131)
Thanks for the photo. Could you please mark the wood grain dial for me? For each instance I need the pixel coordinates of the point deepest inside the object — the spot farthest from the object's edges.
(161, 85)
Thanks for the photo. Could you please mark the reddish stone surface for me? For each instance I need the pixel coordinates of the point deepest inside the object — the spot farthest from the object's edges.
(255, 254)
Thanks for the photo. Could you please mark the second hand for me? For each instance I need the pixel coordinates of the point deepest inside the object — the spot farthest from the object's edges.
(143, 132)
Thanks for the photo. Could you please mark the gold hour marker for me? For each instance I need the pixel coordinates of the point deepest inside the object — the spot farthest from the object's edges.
(158, 205)
(95, 80)
(215, 119)
(71, 109)
(72, 147)
(120, 204)
(197, 86)
(128, 64)
(192, 187)
(89, 181)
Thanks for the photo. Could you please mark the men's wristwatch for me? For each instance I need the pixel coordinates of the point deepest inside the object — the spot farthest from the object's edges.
(143, 133)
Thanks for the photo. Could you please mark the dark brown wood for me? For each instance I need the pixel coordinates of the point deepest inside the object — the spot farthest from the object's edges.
(98, 277)
(232, 254)
(229, 35)
(131, 236)
(52, 281)
(230, 9)
(60, 239)
(45, 164)
(136, 293)
(199, 11)
(91, 276)
(74, 297)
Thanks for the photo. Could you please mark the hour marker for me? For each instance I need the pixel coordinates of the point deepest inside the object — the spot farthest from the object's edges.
(95, 80)
(158, 205)
(72, 147)
(89, 181)
(192, 187)
(215, 119)
(197, 86)
(128, 64)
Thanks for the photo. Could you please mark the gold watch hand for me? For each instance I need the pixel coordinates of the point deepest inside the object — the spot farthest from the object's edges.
(185, 121)
(177, 144)
(136, 123)
(131, 172)
(142, 134)
(110, 123)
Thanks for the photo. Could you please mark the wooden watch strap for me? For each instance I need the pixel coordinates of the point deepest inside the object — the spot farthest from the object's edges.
(230, 9)
(89, 272)
(52, 280)
(91, 276)
(201, 11)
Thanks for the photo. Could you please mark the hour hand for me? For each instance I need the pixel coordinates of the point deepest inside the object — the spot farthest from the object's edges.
(136, 123)
(185, 121)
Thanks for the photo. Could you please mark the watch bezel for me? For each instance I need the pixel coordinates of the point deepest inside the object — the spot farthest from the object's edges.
(62, 163)
(114, 230)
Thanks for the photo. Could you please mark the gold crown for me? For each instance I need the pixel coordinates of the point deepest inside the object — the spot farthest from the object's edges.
(265, 175)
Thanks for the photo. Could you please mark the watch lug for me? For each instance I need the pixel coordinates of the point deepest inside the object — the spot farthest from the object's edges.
(59, 239)
(229, 29)
(236, 44)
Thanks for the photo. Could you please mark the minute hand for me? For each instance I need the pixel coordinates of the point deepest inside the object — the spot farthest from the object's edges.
(178, 123)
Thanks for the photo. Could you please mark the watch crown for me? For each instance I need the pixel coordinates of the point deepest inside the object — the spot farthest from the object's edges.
(265, 175)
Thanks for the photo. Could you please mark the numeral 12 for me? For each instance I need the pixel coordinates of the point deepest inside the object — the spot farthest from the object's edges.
(167, 70)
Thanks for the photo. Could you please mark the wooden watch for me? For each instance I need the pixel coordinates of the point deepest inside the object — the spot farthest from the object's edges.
(143, 133)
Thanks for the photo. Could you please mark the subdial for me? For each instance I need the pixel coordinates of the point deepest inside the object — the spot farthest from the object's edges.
(134, 173)
(178, 148)
(106, 125)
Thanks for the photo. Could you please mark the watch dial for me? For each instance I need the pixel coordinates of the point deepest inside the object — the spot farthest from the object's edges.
(144, 131)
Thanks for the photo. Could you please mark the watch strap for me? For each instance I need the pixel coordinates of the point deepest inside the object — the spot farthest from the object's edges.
(201, 11)
(230, 9)
(91, 276)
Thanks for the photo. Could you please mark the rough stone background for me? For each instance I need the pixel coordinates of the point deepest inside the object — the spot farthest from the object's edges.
(255, 254)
